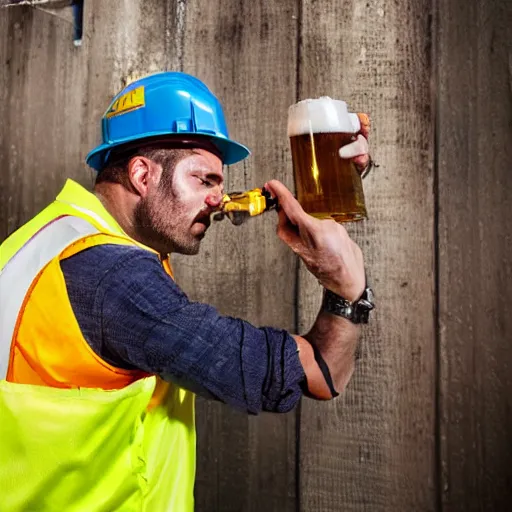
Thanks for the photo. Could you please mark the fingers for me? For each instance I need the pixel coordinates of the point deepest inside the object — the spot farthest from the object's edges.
(287, 202)
(287, 232)
(356, 148)
(361, 162)
(294, 223)
(364, 119)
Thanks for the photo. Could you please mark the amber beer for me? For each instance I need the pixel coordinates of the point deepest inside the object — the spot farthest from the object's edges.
(327, 185)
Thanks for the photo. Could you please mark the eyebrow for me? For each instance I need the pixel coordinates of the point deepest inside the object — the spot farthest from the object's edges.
(219, 176)
(212, 150)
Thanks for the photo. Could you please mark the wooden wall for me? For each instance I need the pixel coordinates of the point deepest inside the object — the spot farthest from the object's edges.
(426, 424)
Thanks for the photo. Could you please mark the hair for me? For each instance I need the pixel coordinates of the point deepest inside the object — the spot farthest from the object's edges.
(117, 165)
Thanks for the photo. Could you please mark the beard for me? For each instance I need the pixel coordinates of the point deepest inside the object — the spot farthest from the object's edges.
(162, 223)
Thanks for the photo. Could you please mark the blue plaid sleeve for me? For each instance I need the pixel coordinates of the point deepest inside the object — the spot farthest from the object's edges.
(134, 315)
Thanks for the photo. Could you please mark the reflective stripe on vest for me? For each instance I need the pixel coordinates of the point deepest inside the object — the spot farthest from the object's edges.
(32, 257)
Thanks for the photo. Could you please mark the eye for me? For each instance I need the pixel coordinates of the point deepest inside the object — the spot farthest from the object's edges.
(206, 183)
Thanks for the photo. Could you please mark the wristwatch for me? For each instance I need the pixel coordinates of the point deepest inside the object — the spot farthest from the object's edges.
(357, 312)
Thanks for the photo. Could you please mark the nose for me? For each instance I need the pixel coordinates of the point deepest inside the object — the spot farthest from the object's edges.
(214, 199)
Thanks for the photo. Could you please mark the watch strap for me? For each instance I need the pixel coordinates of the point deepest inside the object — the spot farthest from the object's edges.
(357, 312)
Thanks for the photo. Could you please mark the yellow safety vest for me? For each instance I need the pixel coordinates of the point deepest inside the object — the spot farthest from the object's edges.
(77, 434)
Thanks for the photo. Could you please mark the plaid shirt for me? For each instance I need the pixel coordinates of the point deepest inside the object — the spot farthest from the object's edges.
(134, 316)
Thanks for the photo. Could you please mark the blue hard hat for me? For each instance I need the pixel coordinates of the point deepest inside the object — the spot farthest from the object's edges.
(165, 104)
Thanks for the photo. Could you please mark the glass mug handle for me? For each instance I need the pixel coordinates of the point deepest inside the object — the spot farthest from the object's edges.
(361, 125)
(356, 123)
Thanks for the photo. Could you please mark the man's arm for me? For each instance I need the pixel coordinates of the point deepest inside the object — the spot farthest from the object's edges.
(336, 342)
(332, 339)
(327, 351)
(134, 316)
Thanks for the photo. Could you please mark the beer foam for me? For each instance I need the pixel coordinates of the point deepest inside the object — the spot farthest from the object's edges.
(321, 115)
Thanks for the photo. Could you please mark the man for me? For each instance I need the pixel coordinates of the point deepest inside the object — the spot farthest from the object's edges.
(100, 350)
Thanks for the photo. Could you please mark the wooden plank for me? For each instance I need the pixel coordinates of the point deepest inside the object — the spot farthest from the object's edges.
(373, 448)
(57, 93)
(56, 4)
(41, 113)
(245, 51)
(45, 144)
(475, 244)
(124, 41)
(12, 63)
(35, 3)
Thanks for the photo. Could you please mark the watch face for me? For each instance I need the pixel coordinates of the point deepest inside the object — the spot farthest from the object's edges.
(357, 312)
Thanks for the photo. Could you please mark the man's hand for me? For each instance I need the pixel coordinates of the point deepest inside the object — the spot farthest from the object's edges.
(358, 150)
(324, 246)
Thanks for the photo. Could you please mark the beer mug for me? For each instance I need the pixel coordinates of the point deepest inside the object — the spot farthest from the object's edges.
(327, 185)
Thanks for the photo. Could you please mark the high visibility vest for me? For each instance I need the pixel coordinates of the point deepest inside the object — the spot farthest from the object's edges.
(76, 433)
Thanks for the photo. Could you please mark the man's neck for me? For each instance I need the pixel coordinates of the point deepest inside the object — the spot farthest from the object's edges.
(119, 204)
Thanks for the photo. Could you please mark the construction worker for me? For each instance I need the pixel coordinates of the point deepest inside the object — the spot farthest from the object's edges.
(101, 352)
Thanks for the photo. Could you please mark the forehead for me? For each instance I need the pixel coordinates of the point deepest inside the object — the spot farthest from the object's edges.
(204, 159)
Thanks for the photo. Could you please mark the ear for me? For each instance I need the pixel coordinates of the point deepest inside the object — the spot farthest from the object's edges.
(142, 174)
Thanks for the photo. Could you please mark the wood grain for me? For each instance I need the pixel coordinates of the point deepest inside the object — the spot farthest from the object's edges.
(41, 109)
(373, 448)
(475, 247)
(245, 51)
(56, 93)
(56, 96)
(123, 41)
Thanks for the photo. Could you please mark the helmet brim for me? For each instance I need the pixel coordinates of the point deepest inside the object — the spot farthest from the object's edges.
(231, 151)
